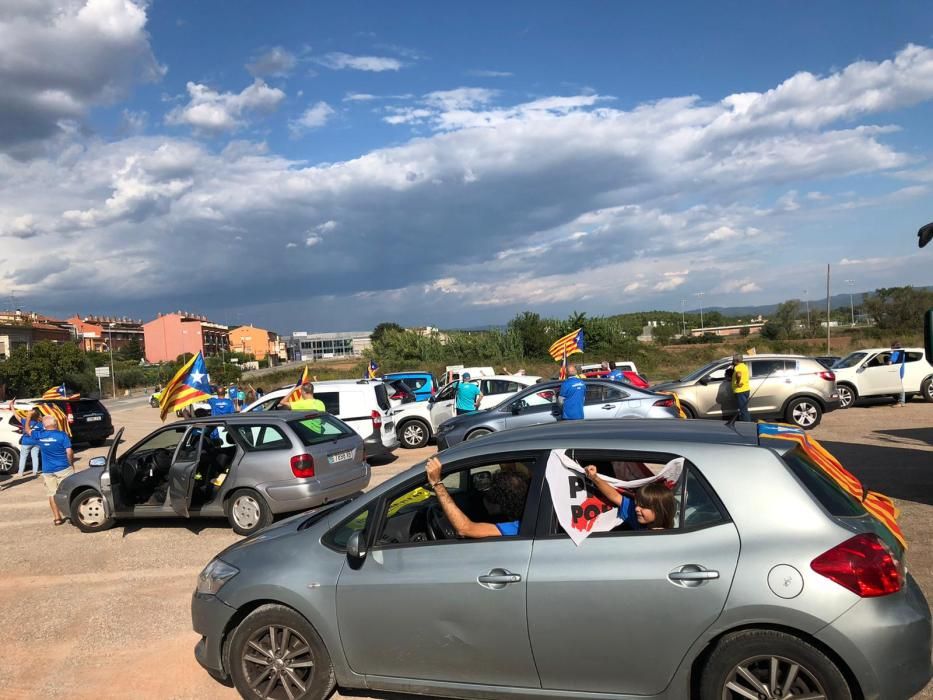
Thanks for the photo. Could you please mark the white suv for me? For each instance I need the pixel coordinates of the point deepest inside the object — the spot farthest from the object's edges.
(865, 373)
(9, 442)
(362, 404)
(416, 423)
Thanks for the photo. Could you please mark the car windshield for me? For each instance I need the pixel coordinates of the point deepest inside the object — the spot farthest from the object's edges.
(705, 369)
(850, 360)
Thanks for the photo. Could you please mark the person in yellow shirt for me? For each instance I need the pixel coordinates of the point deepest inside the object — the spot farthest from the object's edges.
(741, 386)
(307, 402)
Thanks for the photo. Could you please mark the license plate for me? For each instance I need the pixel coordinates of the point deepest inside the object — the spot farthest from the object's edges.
(91, 419)
(339, 457)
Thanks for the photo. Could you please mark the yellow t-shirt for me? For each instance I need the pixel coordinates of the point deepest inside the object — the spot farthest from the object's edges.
(740, 378)
(309, 405)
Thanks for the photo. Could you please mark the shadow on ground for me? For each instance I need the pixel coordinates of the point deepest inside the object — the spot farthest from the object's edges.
(897, 472)
(919, 434)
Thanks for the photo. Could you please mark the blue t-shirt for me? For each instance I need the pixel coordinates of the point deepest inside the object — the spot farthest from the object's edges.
(466, 396)
(574, 392)
(509, 529)
(627, 513)
(52, 447)
(616, 375)
(220, 407)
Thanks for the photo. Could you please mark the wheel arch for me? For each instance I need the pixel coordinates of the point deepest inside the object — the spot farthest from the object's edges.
(696, 667)
(416, 419)
(484, 429)
(803, 395)
(688, 409)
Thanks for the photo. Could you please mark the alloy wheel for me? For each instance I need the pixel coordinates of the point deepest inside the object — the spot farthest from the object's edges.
(845, 396)
(91, 511)
(413, 434)
(770, 678)
(278, 663)
(805, 414)
(246, 512)
(7, 460)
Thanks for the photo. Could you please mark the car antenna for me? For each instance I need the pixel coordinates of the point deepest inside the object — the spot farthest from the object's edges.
(735, 416)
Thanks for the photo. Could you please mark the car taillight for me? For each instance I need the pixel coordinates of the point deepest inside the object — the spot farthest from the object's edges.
(71, 416)
(665, 403)
(828, 376)
(377, 421)
(400, 395)
(303, 466)
(863, 564)
(433, 390)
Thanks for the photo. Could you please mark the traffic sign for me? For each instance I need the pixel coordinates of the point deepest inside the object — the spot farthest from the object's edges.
(101, 371)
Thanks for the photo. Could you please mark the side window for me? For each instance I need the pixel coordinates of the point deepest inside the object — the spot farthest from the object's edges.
(490, 387)
(790, 367)
(416, 382)
(267, 405)
(596, 393)
(718, 374)
(914, 357)
(340, 535)
(331, 401)
(188, 450)
(611, 393)
(542, 397)
(447, 392)
(512, 387)
(263, 437)
(164, 440)
(699, 508)
(764, 368)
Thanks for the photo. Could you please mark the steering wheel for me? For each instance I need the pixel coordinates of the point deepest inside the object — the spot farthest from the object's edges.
(439, 527)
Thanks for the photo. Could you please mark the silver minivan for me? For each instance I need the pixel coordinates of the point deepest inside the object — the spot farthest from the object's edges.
(791, 388)
(771, 582)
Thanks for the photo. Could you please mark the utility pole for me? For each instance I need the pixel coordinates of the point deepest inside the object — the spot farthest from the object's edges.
(828, 313)
(851, 284)
(806, 296)
(113, 374)
(700, 295)
(683, 315)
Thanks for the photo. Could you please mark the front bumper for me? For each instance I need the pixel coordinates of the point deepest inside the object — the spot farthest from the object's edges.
(210, 617)
(886, 643)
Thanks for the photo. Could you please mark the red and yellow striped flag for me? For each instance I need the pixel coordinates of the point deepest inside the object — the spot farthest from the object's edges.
(295, 394)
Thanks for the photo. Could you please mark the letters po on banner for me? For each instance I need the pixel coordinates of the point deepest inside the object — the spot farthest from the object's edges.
(579, 507)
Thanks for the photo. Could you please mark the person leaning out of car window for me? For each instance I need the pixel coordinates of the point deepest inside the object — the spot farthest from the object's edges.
(652, 507)
(506, 494)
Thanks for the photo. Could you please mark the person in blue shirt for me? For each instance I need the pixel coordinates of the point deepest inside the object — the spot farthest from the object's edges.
(572, 395)
(468, 395)
(28, 451)
(221, 406)
(57, 457)
(506, 494)
(615, 374)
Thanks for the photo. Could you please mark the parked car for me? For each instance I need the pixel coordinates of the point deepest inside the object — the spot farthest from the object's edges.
(538, 404)
(400, 393)
(827, 360)
(636, 380)
(868, 373)
(88, 418)
(624, 365)
(363, 404)
(245, 467)
(791, 388)
(423, 383)
(773, 581)
(9, 441)
(417, 424)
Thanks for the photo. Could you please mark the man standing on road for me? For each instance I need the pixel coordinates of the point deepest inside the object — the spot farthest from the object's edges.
(741, 386)
(57, 457)
(572, 395)
(221, 406)
(468, 395)
(27, 451)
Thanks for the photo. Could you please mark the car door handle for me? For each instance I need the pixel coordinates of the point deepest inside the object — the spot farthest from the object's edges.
(609, 406)
(692, 575)
(498, 578)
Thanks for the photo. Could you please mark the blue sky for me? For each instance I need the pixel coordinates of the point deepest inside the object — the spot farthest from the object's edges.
(309, 166)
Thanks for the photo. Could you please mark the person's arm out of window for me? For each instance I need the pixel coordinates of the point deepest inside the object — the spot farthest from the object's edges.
(461, 523)
(609, 493)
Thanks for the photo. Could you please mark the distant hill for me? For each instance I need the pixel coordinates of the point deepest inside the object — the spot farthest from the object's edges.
(837, 301)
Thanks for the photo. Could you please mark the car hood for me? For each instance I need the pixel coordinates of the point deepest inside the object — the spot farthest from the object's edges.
(668, 386)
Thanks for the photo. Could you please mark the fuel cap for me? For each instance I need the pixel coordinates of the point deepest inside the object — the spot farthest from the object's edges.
(785, 581)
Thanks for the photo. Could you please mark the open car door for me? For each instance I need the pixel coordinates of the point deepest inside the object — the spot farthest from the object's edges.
(106, 485)
(184, 467)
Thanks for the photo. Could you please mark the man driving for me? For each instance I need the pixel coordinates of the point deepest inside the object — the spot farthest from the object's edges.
(507, 493)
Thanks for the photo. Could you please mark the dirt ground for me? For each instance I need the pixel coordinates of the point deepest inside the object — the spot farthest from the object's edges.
(107, 615)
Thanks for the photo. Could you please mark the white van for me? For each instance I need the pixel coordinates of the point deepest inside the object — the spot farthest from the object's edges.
(865, 373)
(363, 404)
(454, 372)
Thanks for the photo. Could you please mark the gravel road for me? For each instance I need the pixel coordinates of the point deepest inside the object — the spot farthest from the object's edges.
(107, 615)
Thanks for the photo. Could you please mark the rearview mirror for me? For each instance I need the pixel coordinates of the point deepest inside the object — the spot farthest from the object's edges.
(356, 547)
(97, 462)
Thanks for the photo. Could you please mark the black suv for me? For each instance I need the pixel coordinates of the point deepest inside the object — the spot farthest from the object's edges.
(89, 419)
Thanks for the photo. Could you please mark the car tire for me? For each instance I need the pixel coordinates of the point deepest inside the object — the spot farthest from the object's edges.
(749, 653)
(247, 512)
(88, 513)
(266, 628)
(9, 459)
(689, 412)
(478, 433)
(804, 412)
(413, 434)
(926, 390)
(153, 403)
(847, 395)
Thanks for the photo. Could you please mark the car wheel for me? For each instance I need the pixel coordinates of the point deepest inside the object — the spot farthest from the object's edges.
(248, 512)
(689, 412)
(770, 664)
(153, 403)
(9, 459)
(88, 513)
(926, 389)
(847, 395)
(804, 413)
(478, 433)
(276, 653)
(413, 434)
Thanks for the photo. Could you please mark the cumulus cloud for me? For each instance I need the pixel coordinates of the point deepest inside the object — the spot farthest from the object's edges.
(374, 64)
(211, 111)
(276, 62)
(314, 117)
(59, 59)
(490, 73)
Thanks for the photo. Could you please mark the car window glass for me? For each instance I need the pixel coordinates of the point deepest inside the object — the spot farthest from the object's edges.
(331, 400)
(267, 405)
(790, 367)
(190, 446)
(164, 440)
(263, 437)
(594, 393)
(340, 535)
(914, 357)
(849, 360)
(765, 368)
(882, 359)
(313, 431)
(699, 507)
(415, 382)
(447, 392)
(717, 375)
(542, 397)
(611, 393)
(831, 495)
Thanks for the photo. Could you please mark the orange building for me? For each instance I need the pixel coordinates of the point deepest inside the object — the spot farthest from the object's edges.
(171, 335)
(249, 339)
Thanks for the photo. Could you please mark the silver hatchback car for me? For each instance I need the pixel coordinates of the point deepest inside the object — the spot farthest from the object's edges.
(771, 583)
(247, 467)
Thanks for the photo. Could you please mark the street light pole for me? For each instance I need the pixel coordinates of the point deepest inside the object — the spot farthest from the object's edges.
(113, 374)
(806, 296)
(700, 295)
(851, 283)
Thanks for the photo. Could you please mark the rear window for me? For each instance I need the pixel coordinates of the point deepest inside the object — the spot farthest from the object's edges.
(831, 495)
(259, 438)
(313, 431)
(382, 397)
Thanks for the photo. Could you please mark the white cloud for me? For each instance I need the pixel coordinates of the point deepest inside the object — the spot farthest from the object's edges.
(344, 61)
(314, 117)
(460, 98)
(490, 73)
(209, 110)
(291, 244)
(277, 61)
(669, 284)
(632, 287)
(313, 240)
(359, 97)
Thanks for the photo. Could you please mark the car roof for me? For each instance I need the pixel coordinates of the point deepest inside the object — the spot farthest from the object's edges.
(253, 416)
(884, 350)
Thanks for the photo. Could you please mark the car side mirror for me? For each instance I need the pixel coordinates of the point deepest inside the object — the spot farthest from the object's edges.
(356, 547)
(97, 462)
(516, 408)
(860, 369)
(704, 380)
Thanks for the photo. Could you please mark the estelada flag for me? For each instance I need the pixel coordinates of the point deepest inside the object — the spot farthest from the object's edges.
(373, 369)
(59, 392)
(569, 344)
(189, 385)
(295, 393)
(45, 409)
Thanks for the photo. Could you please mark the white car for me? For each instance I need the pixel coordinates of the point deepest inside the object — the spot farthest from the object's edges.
(417, 423)
(866, 373)
(9, 442)
(363, 404)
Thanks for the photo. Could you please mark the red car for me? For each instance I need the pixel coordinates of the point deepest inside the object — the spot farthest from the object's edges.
(632, 378)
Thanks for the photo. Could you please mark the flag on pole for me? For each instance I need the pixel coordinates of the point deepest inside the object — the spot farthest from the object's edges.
(295, 393)
(59, 392)
(563, 366)
(568, 345)
(45, 409)
(189, 385)
(373, 369)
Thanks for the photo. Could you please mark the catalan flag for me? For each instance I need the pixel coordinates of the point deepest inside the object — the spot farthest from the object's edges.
(295, 393)
(371, 373)
(45, 409)
(189, 385)
(568, 345)
(59, 392)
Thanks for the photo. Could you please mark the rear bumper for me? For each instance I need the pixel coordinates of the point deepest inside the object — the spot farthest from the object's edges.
(886, 643)
(831, 405)
(210, 617)
(310, 493)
